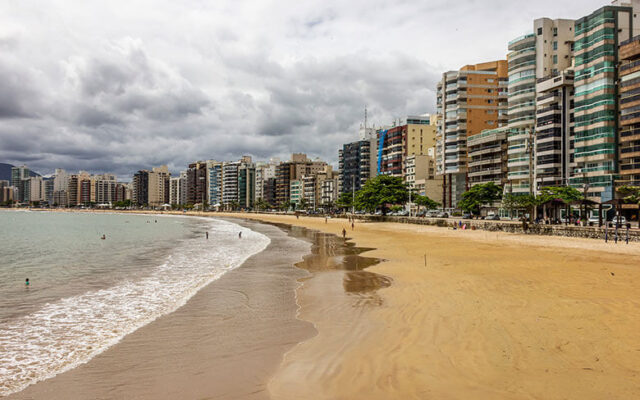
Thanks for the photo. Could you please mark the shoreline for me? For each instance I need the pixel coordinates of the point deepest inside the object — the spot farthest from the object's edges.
(228, 338)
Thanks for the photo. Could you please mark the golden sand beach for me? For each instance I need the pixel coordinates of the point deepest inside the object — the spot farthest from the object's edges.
(469, 315)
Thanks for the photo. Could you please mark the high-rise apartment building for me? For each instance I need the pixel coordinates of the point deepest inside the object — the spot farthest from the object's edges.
(105, 188)
(246, 183)
(174, 190)
(214, 183)
(196, 192)
(395, 144)
(468, 101)
(545, 52)
(596, 96)
(554, 129)
(629, 106)
(357, 164)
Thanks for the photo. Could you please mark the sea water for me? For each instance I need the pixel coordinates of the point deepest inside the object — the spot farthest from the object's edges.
(86, 293)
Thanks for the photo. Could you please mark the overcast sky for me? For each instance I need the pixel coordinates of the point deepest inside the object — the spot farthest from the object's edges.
(122, 85)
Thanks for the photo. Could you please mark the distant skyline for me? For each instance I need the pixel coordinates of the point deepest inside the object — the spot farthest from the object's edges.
(118, 86)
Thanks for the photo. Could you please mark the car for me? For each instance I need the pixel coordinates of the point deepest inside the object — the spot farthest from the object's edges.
(594, 219)
(621, 221)
(442, 215)
(431, 214)
(493, 217)
(467, 216)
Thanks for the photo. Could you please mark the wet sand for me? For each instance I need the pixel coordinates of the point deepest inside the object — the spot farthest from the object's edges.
(469, 315)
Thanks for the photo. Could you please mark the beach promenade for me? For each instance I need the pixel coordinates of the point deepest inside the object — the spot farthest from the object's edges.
(469, 315)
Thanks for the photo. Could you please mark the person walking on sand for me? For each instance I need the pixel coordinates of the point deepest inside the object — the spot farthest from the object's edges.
(239, 235)
(207, 235)
(26, 282)
(353, 225)
(325, 220)
(344, 233)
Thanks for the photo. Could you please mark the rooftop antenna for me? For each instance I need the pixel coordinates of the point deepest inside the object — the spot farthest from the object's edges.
(365, 118)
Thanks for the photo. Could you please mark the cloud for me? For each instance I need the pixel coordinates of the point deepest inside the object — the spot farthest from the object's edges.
(116, 86)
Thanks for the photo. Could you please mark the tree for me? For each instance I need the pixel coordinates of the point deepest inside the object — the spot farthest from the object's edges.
(261, 204)
(425, 202)
(630, 194)
(480, 195)
(566, 194)
(345, 200)
(303, 204)
(285, 205)
(380, 191)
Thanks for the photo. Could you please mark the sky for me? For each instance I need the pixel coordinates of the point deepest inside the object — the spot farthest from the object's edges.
(117, 86)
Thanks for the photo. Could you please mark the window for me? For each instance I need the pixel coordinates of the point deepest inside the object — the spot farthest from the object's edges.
(555, 58)
(539, 31)
(555, 45)
(489, 90)
(490, 80)
(555, 31)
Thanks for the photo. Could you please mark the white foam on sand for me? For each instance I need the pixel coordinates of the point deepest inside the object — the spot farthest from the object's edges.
(71, 331)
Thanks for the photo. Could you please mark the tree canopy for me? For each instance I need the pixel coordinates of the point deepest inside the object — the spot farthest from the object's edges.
(480, 195)
(630, 194)
(381, 190)
(426, 202)
(345, 200)
(566, 194)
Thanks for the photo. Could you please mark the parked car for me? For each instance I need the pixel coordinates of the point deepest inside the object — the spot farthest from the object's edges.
(442, 215)
(493, 217)
(623, 220)
(467, 216)
(432, 214)
(594, 219)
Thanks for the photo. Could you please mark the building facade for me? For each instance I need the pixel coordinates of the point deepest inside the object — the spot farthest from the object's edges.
(596, 98)
(488, 157)
(629, 106)
(468, 101)
(554, 132)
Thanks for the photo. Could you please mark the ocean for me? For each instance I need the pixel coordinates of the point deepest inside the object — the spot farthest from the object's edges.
(86, 294)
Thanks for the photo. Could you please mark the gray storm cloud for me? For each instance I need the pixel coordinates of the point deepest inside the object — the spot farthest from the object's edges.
(109, 87)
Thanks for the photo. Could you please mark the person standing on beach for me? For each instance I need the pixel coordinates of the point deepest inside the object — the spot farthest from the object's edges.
(353, 225)
(26, 282)
(344, 233)
(239, 235)
(207, 235)
(325, 220)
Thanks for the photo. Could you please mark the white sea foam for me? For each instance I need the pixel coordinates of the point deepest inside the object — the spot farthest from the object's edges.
(71, 331)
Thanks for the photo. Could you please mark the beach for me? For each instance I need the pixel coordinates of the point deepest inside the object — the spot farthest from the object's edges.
(469, 315)
(396, 311)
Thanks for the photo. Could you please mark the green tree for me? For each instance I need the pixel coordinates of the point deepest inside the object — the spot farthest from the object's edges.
(479, 195)
(345, 200)
(565, 193)
(424, 201)
(262, 205)
(285, 205)
(303, 204)
(630, 194)
(380, 191)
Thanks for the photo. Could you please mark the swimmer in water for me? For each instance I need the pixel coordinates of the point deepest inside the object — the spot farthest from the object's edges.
(103, 237)
(240, 235)
(207, 235)
(26, 282)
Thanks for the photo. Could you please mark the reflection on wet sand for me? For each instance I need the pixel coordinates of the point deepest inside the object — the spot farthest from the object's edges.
(330, 253)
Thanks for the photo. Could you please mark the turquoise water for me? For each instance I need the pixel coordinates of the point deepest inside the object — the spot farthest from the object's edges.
(62, 253)
(86, 293)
